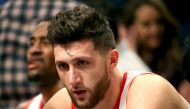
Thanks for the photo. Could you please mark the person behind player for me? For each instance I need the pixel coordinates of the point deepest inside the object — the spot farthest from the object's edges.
(41, 67)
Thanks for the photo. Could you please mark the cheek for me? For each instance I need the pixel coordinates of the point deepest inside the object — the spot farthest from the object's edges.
(63, 78)
(162, 29)
(49, 56)
(94, 77)
(143, 32)
(29, 54)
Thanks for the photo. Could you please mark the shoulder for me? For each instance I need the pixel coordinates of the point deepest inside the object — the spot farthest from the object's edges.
(27, 103)
(61, 100)
(151, 92)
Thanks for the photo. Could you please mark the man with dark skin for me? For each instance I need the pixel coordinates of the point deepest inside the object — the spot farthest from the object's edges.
(41, 67)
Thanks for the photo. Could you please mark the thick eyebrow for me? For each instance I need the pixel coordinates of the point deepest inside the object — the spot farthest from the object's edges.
(82, 58)
(59, 61)
(41, 37)
(73, 60)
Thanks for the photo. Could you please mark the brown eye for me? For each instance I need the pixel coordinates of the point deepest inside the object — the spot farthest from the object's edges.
(45, 42)
(63, 66)
(82, 63)
(31, 43)
(146, 24)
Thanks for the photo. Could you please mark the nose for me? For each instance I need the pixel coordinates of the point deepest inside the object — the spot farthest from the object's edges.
(155, 28)
(74, 77)
(35, 49)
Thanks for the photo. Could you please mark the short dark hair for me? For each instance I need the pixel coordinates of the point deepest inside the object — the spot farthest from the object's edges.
(79, 23)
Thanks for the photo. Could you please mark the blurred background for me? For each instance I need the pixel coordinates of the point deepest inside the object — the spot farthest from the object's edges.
(17, 19)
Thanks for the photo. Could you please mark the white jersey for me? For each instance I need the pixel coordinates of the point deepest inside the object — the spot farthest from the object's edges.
(36, 102)
(125, 85)
(130, 77)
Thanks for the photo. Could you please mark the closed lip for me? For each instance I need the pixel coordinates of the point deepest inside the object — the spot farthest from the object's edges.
(34, 63)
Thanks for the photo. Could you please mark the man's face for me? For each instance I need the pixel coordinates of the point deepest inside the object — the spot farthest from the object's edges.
(40, 56)
(84, 71)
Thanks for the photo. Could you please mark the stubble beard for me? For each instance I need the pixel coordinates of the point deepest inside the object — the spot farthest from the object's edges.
(96, 95)
(44, 80)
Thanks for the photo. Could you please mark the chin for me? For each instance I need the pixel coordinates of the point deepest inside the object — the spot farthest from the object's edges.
(34, 76)
(82, 105)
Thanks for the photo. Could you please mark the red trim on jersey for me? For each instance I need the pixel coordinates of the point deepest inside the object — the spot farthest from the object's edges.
(29, 102)
(41, 104)
(72, 106)
(116, 106)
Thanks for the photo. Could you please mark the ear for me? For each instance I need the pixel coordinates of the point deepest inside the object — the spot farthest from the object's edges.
(114, 54)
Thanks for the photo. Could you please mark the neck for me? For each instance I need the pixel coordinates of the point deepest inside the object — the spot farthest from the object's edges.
(112, 92)
(147, 56)
(48, 92)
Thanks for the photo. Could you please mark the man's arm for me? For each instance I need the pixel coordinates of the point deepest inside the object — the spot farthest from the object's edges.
(61, 100)
(153, 92)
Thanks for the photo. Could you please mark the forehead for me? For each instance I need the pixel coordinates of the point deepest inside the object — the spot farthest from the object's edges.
(147, 11)
(40, 29)
(73, 50)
